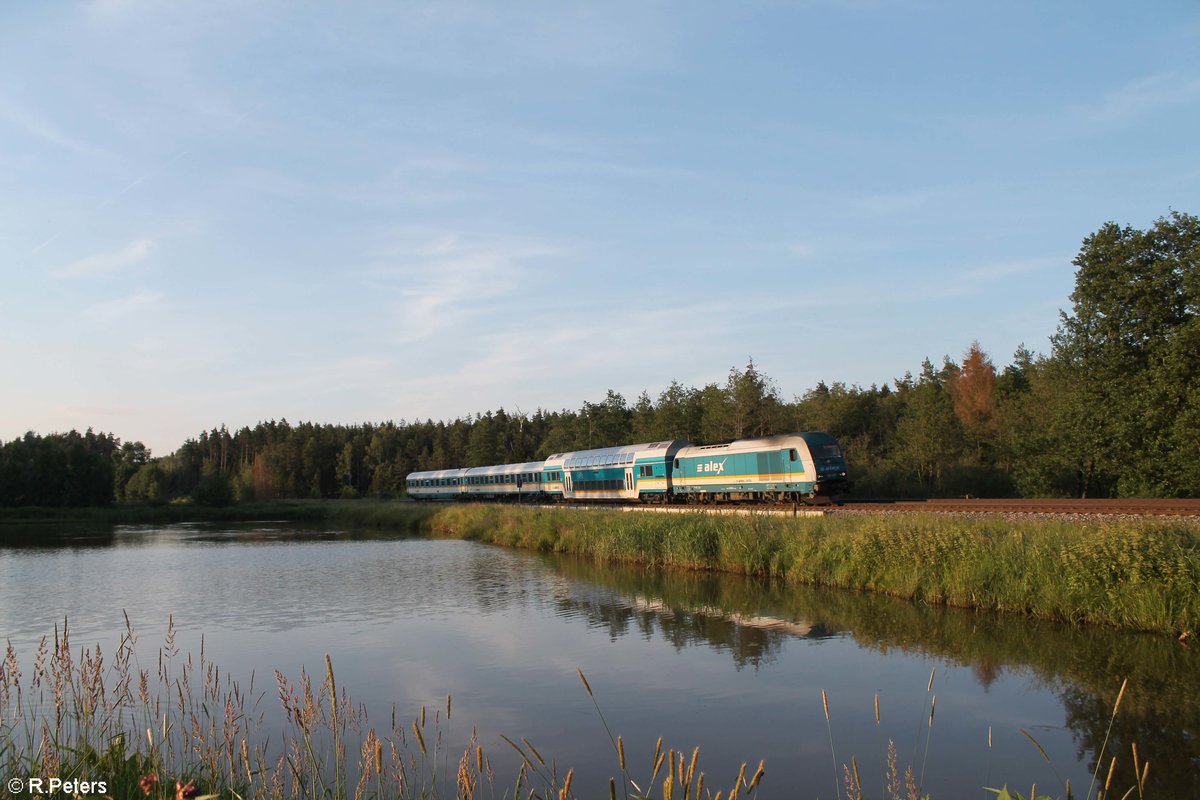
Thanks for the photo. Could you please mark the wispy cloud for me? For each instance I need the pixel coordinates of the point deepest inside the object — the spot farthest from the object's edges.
(444, 278)
(137, 302)
(43, 128)
(1006, 269)
(1138, 99)
(899, 202)
(106, 263)
(1131, 103)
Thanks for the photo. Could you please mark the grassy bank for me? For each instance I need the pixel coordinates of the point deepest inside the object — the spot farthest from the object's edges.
(360, 513)
(1133, 575)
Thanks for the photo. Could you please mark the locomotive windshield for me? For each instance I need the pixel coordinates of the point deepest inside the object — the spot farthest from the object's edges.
(825, 450)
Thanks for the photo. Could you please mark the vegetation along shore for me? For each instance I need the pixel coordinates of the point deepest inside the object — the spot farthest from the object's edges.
(1134, 575)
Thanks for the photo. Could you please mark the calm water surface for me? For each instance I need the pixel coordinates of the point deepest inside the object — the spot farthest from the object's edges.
(734, 666)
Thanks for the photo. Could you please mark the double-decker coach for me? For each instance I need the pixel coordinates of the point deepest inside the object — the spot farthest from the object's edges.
(629, 472)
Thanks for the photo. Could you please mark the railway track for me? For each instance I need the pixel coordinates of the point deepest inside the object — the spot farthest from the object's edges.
(1059, 507)
(1177, 508)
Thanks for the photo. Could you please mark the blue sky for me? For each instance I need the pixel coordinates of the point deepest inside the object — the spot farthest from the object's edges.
(226, 212)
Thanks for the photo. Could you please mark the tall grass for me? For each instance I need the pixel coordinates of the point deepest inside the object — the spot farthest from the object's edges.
(1132, 575)
(182, 729)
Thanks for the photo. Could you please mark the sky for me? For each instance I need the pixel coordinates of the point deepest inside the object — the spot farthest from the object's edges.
(233, 211)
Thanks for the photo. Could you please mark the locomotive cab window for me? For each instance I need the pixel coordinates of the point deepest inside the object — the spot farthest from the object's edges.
(793, 455)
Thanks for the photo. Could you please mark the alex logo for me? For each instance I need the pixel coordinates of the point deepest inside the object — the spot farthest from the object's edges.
(715, 467)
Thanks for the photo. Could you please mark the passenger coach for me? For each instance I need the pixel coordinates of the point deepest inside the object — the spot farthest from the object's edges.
(630, 472)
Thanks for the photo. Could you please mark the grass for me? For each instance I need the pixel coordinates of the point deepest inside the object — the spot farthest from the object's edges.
(186, 730)
(909, 786)
(1142, 576)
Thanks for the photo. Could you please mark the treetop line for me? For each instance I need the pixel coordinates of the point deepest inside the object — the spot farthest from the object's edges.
(1113, 410)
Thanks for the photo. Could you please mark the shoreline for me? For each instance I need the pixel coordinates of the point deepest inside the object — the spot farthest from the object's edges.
(1137, 575)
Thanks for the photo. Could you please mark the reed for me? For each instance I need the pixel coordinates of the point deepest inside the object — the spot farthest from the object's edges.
(1131, 575)
(182, 730)
(909, 787)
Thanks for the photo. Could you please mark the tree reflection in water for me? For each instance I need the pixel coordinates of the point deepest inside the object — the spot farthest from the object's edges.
(1084, 667)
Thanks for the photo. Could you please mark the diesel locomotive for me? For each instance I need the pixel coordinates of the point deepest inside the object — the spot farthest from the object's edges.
(784, 468)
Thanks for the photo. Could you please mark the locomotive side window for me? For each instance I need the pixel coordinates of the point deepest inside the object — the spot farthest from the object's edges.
(794, 455)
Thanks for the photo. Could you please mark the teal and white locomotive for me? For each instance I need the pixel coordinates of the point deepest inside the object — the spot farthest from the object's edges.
(794, 466)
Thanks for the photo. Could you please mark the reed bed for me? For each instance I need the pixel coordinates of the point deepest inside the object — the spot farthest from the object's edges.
(184, 730)
(1132, 575)
(848, 781)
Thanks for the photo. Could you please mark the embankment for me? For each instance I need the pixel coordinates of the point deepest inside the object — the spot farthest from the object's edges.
(1132, 575)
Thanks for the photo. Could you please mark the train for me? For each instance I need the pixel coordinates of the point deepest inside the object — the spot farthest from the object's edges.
(795, 467)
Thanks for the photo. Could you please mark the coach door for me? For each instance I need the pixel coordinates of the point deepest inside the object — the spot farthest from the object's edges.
(629, 479)
(787, 459)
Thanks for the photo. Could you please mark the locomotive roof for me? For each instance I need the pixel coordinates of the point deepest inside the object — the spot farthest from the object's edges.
(779, 440)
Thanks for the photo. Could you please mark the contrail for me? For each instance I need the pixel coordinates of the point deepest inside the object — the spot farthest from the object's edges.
(43, 244)
(113, 198)
(109, 201)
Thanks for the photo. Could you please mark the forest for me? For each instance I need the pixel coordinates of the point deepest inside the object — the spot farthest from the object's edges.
(1113, 410)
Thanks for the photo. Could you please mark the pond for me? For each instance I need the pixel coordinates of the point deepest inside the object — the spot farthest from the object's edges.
(734, 666)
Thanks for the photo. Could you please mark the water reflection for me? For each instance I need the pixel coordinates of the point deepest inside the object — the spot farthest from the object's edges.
(1083, 667)
(751, 637)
